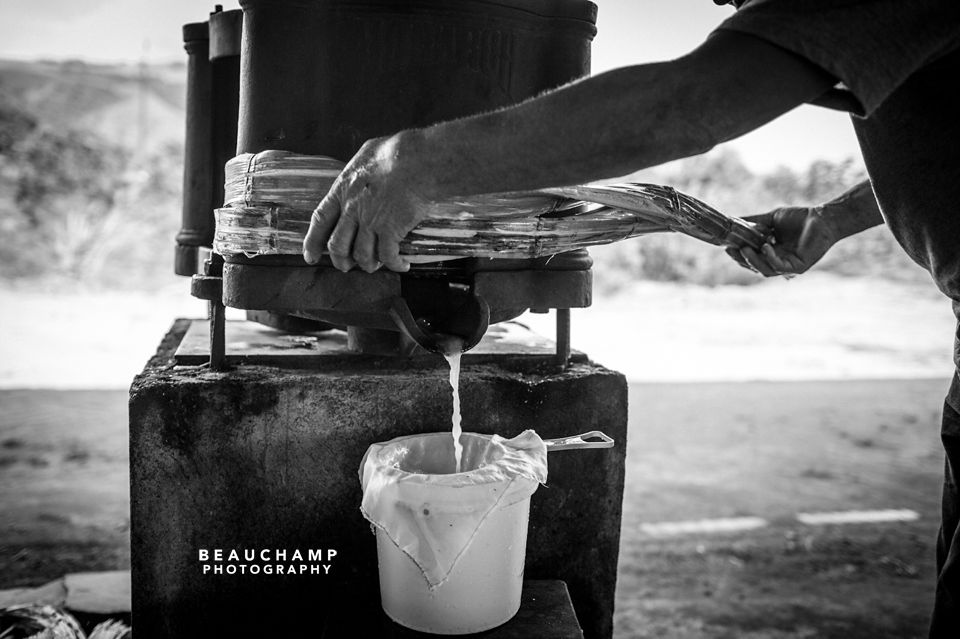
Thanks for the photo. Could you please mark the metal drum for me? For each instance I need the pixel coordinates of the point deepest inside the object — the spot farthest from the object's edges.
(323, 76)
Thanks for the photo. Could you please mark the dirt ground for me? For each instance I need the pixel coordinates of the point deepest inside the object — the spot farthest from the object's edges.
(64, 484)
(696, 451)
(773, 450)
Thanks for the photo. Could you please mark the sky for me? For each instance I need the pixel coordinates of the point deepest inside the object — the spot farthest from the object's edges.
(629, 32)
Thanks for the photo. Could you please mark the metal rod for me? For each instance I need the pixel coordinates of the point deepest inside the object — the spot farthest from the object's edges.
(218, 354)
(563, 336)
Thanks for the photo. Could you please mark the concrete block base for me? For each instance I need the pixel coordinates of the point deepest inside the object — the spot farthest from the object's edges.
(262, 460)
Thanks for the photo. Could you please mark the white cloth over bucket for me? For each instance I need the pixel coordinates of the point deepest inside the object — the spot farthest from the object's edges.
(432, 514)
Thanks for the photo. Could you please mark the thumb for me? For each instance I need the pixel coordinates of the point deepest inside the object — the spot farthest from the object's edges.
(322, 221)
(764, 220)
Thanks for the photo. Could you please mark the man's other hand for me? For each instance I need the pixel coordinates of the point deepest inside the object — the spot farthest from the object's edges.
(800, 237)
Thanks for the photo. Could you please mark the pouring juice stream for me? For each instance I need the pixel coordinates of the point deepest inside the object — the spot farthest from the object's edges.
(452, 353)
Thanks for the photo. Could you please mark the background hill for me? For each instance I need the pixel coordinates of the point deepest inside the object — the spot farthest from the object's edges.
(133, 107)
(91, 171)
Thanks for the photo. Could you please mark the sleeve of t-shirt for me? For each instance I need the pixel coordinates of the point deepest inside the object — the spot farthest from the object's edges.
(871, 46)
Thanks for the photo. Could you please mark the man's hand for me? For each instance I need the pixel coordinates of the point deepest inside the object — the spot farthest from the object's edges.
(801, 236)
(371, 206)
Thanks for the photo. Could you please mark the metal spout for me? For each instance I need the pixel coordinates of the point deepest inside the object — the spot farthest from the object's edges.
(461, 326)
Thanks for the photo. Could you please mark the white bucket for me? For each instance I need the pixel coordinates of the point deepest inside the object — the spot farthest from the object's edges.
(482, 592)
(483, 588)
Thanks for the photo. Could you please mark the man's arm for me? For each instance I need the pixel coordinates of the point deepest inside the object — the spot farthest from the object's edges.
(601, 127)
(854, 211)
(802, 235)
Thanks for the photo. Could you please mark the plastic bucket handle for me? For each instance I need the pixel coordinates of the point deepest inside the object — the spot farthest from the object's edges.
(579, 441)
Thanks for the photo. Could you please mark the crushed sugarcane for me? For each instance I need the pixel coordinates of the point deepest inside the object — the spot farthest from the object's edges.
(270, 196)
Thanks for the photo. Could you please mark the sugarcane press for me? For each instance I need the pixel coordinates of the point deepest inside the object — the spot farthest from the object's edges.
(229, 450)
(322, 78)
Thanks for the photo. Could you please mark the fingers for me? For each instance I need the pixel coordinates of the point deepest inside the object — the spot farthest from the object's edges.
(322, 221)
(388, 252)
(354, 245)
(734, 253)
(364, 248)
(770, 261)
(782, 261)
(340, 244)
(758, 262)
(765, 221)
(348, 242)
(371, 250)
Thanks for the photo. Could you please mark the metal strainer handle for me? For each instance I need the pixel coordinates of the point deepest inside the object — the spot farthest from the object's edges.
(579, 441)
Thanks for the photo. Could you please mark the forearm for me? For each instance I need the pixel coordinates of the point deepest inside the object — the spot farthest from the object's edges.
(617, 122)
(854, 211)
(602, 127)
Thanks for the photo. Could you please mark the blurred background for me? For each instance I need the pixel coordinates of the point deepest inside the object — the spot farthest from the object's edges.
(749, 397)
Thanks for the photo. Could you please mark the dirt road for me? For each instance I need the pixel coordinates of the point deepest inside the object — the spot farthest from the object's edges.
(770, 451)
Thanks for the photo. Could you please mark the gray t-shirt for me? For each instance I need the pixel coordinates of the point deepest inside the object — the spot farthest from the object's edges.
(899, 65)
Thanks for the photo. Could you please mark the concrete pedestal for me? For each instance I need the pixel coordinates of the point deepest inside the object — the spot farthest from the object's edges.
(264, 459)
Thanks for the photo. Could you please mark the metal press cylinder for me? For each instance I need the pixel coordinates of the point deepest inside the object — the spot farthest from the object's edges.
(323, 76)
(196, 221)
(213, 104)
(225, 32)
